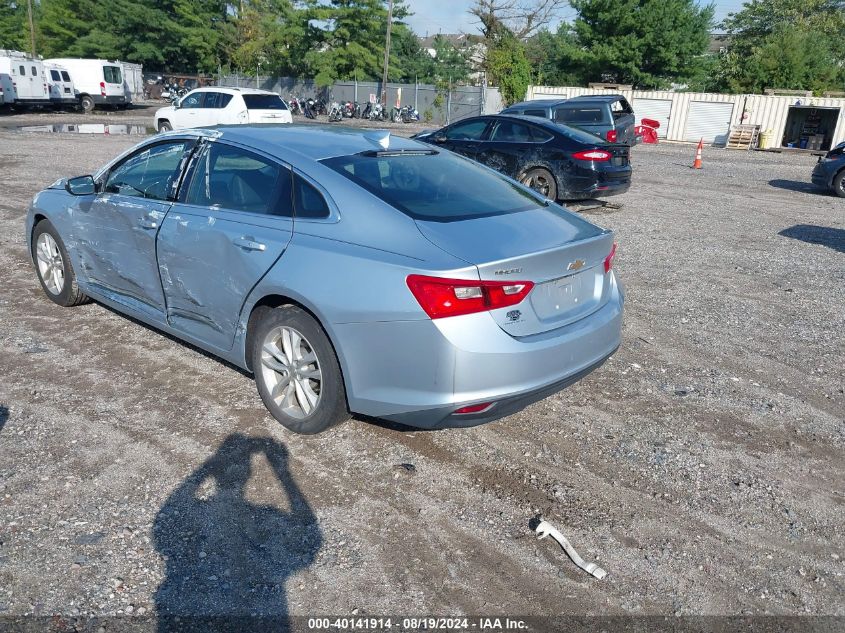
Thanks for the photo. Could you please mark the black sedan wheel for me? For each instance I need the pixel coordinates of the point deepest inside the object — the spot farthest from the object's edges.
(839, 184)
(541, 181)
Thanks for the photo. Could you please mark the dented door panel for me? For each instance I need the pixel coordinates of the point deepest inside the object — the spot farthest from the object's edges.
(209, 260)
(117, 249)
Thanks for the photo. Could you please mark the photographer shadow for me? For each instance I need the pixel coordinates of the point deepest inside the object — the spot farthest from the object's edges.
(228, 558)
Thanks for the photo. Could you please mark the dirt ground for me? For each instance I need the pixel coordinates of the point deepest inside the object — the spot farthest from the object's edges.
(702, 466)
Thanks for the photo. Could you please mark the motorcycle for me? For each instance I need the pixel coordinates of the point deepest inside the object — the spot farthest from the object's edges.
(373, 112)
(310, 108)
(173, 92)
(336, 112)
(351, 110)
(406, 114)
(293, 104)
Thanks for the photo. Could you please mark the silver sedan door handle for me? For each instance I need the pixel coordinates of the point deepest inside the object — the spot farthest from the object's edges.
(250, 244)
(148, 224)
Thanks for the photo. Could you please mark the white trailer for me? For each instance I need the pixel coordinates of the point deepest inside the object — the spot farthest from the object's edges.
(22, 80)
(133, 76)
(98, 82)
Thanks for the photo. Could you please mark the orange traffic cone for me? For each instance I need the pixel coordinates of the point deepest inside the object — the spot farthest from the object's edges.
(697, 162)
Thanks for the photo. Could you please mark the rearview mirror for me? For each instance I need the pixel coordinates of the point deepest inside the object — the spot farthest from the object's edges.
(439, 138)
(81, 186)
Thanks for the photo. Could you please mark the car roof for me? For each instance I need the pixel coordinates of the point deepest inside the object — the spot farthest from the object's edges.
(547, 103)
(602, 98)
(315, 142)
(538, 103)
(535, 120)
(234, 91)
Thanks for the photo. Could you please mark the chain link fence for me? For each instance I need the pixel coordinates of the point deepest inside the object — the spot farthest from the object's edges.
(438, 106)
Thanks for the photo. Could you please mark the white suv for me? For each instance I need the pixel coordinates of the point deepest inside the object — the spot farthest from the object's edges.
(221, 106)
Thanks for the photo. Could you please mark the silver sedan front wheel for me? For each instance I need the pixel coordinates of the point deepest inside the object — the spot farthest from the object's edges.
(291, 372)
(51, 266)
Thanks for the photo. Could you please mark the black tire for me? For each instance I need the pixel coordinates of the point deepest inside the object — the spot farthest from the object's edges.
(331, 408)
(164, 126)
(541, 181)
(86, 103)
(70, 294)
(839, 184)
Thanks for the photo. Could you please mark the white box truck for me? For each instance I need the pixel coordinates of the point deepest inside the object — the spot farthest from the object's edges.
(98, 82)
(22, 80)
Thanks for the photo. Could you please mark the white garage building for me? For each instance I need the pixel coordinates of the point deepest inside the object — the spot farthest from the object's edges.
(689, 116)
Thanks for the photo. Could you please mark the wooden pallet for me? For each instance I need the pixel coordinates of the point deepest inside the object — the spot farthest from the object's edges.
(743, 137)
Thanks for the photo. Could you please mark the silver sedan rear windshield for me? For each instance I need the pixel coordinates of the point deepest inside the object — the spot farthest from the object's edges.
(432, 185)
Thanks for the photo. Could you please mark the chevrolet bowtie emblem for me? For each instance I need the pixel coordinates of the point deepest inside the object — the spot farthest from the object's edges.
(576, 265)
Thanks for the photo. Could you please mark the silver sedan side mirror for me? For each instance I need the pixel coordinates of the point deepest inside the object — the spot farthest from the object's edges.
(81, 186)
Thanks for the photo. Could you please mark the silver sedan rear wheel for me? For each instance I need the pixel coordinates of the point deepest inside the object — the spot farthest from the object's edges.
(51, 266)
(291, 372)
(296, 369)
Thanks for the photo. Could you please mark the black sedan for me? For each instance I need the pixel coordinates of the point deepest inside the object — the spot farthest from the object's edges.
(830, 171)
(561, 162)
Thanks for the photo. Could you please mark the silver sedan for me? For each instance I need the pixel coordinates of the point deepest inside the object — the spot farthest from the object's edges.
(348, 270)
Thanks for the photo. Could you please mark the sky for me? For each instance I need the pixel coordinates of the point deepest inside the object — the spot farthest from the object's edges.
(451, 16)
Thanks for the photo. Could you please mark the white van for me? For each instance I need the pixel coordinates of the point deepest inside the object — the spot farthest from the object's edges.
(22, 79)
(98, 82)
(60, 85)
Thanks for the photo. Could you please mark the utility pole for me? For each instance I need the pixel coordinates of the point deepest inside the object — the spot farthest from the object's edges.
(386, 54)
(31, 27)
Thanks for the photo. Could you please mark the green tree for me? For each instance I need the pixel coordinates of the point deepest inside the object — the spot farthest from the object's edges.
(351, 45)
(787, 44)
(14, 25)
(273, 33)
(647, 43)
(449, 64)
(556, 58)
(206, 33)
(63, 22)
(508, 67)
(760, 18)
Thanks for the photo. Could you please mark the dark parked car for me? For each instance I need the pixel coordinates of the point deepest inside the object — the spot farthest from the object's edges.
(608, 116)
(561, 162)
(830, 171)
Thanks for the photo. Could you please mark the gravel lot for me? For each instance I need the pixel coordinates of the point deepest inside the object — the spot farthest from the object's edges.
(702, 466)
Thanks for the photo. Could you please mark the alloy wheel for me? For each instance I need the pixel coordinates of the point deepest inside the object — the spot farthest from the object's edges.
(291, 372)
(538, 182)
(51, 266)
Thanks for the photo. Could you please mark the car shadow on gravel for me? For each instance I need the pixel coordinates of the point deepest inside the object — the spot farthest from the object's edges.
(227, 557)
(822, 235)
(799, 185)
(4, 415)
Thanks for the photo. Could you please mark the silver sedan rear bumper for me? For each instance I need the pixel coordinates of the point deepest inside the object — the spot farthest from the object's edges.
(419, 373)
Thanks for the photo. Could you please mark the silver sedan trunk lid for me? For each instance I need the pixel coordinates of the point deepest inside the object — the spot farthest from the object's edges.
(560, 253)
